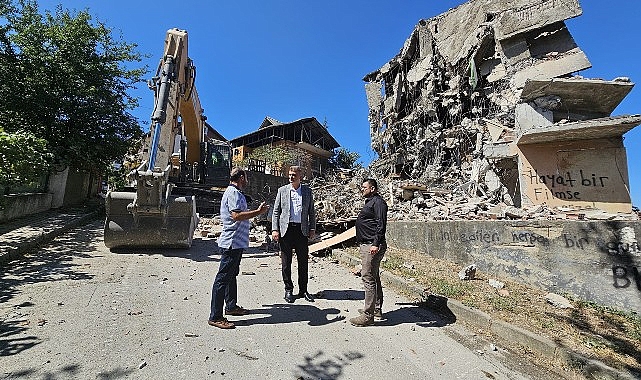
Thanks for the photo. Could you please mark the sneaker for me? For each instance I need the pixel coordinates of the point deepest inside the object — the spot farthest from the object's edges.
(222, 323)
(378, 314)
(237, 311)
(361, 321)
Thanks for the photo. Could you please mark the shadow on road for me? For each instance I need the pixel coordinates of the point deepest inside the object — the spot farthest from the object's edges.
(49, 263)
(200, 251)
(69, 371)
(415, 314)
(52, 262)
(13, 340)
(347, 294)
(323, 365)
(289, 313)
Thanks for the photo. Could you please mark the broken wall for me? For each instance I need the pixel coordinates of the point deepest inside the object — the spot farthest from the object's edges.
(579, 174)
(448, 108)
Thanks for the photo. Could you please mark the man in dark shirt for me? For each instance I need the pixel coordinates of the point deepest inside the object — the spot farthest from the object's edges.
(370, 233)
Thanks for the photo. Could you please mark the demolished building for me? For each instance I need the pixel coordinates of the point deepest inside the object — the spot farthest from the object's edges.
(484, 100)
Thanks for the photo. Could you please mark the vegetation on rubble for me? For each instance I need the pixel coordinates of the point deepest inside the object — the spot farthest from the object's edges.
(65, 79)
(594, 331)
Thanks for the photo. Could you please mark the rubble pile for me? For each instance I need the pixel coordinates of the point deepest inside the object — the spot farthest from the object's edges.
(454, 86)
(449, 111)
(338, 200)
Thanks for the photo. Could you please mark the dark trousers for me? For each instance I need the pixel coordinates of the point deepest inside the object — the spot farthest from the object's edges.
(225, 289)
(294, 239)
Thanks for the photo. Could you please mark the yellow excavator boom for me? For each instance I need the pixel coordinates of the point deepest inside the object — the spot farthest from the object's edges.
(152, 216)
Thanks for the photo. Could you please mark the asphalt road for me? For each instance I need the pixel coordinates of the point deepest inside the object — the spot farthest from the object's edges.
(75, 310)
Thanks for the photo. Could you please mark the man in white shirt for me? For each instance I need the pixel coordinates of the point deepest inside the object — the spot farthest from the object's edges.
(293, 224)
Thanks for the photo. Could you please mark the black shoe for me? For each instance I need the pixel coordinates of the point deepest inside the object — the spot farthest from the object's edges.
(307, 295)
(289, 297)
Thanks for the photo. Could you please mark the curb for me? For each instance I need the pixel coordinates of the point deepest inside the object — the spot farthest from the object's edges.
(13, 252)
(456, 311)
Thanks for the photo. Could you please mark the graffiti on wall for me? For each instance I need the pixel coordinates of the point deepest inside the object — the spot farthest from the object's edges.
(570, 185)
(480, 236)
(623, 276)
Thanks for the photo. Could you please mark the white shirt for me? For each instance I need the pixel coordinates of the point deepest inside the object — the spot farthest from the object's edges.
(295, 204)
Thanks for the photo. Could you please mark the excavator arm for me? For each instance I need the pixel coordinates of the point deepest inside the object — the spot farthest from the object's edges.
(152, 216)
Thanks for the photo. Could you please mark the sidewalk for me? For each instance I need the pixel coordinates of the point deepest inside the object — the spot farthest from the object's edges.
(20, 235)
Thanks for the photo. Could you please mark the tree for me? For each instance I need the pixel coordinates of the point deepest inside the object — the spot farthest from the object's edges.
(274, 157)
(65, 79)
(24, 159)
(345, 159)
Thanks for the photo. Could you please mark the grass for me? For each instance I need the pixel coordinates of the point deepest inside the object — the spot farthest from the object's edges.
(595, 331)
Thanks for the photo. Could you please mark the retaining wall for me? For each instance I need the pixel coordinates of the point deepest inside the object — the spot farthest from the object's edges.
(594, 260)
(19, 205)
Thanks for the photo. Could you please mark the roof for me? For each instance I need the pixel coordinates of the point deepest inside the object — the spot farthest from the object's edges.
(307, 130)
(214, 133)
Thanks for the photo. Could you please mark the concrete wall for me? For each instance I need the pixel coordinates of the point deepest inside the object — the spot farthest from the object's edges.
(264, 186)
(596, 261)
(77, 189)
(19, 205)
(57, 185)
(581, 173)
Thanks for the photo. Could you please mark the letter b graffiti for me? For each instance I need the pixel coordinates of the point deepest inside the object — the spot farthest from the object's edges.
(621, 280)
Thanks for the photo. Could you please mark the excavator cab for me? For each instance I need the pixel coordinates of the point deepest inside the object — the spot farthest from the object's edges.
(180, 161)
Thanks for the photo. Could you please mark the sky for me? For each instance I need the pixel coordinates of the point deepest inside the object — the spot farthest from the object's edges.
(294, 59)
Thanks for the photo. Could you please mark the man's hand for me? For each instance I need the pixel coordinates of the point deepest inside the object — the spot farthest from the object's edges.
(373, 250)
(263, 208)
(275, 235)
(312, 234)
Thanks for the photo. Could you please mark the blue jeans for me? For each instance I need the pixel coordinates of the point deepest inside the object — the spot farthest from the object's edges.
(225, 289)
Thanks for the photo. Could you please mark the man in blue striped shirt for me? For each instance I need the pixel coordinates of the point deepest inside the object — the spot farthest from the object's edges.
(233, 239)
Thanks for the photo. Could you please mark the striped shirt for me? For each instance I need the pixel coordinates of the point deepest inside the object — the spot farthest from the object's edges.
(235, 234)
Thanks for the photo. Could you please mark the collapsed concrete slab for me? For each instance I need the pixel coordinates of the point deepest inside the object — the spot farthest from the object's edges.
(483, 104)
(472, 87)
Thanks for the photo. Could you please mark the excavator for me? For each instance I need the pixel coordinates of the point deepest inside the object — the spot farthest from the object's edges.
(184, 168)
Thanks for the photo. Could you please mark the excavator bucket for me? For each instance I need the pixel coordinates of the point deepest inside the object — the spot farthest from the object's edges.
(171, 228)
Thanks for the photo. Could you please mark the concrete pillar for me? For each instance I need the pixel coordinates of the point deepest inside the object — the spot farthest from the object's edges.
(57, 186)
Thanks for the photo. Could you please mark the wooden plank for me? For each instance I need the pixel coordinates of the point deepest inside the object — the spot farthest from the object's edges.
(324, 244)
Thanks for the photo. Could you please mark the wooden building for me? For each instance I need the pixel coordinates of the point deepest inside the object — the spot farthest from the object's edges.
(308, 140)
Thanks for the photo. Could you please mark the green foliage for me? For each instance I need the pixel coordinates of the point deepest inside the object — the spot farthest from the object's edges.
(65, 79)
(274, 157)
(345, 159)
(24, 160)
(117, 177)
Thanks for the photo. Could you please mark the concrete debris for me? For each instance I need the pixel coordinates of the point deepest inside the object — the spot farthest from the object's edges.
(496, 283)
(558, 301)
(338, 201)
(469, 87)
(467, 273)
